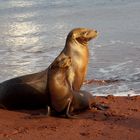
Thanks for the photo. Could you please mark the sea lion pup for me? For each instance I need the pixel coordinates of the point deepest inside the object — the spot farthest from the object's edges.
(62, 98)
(85, 100)
(77, 48)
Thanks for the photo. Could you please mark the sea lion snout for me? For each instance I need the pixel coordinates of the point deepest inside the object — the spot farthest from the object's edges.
(92, 34)
(95, 31)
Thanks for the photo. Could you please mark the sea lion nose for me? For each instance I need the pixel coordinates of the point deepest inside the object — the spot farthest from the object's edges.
(95, 31)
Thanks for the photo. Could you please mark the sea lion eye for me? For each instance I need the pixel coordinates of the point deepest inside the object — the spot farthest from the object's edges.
(84, 33)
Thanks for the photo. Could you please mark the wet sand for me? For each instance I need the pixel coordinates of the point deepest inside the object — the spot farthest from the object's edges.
(120, 122)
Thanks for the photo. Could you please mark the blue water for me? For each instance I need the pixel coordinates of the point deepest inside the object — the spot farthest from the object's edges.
(33, 32)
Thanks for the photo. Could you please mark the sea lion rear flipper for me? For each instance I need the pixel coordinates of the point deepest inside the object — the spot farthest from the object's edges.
(99, 106)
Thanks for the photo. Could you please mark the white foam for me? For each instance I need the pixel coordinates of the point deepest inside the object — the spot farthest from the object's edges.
(127, 93)
(120, 65)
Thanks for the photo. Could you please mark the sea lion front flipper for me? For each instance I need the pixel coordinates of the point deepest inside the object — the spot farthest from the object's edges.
(99, 106)
(48, 113)
(68, 115)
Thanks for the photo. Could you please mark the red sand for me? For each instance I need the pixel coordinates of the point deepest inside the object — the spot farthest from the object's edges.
(120, 122)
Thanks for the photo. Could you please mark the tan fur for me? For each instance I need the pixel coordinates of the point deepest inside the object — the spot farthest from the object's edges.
(77, 48)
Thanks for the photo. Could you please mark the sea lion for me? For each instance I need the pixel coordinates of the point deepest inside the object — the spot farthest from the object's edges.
(29, 91)
(85, 100)
(76, 47)
(62, 98)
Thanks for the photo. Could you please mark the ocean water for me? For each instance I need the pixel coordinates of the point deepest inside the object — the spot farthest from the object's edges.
(33, 32)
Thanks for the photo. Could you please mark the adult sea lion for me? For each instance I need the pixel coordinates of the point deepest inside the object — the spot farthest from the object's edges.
(61, 96)
(29, 91)
(76, 47)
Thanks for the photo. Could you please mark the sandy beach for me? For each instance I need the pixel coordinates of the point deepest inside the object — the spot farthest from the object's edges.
(120, 122)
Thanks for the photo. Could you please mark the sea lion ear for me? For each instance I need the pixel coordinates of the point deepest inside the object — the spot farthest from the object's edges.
(73, 35)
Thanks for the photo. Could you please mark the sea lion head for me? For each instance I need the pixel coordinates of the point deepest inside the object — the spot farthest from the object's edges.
(82, 35)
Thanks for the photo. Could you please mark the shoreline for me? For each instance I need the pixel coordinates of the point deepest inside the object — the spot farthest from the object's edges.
(121, 121)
